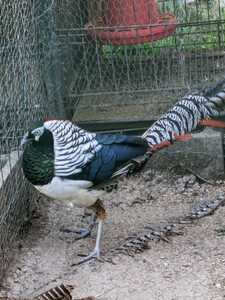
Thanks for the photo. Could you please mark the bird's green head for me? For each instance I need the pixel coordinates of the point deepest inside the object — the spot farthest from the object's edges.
(37, 134)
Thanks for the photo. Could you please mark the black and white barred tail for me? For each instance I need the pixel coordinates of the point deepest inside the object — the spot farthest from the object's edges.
(140, 243)
(181, 119)
(184, 117)
(62, 291)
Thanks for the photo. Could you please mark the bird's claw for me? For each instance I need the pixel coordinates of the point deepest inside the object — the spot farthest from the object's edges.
(83, 232)
(94, 254)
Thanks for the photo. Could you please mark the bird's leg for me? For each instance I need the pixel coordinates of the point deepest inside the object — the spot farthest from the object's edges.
(83, 232)
(99, 210)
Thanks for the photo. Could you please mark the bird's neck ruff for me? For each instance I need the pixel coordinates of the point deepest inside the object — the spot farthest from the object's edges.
(73, 147)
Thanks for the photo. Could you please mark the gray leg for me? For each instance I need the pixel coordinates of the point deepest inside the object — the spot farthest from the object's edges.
(83, 232)
(96, 252)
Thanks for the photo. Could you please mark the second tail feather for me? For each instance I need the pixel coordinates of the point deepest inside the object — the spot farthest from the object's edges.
(183, 118)
(178, 122)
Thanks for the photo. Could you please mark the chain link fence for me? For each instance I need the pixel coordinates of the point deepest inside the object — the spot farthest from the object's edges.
(132, 79)
(96, 62)
(30, 89)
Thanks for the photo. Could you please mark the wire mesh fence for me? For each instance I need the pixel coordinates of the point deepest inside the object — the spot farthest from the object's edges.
(30, 89)
(92, 61)
(143, 77)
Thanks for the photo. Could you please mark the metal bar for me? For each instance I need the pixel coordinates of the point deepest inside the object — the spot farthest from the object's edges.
(130, 125)
(50, 56)
(93, 93)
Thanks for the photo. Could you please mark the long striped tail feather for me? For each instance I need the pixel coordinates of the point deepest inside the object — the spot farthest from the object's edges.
(177, 123)
(184, 117)
(60, 292)
(139, 243)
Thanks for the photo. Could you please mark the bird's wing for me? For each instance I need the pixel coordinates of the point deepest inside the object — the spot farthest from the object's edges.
(81, 155)
(114, 152)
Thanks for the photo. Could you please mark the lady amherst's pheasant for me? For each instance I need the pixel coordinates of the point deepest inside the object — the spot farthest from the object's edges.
(68, 163)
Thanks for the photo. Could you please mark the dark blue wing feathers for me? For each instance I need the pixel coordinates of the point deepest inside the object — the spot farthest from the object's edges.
(115, 151)
(124, 146)
(109, 139)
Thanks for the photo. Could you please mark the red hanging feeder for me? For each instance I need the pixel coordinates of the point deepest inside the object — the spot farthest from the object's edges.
(130, 22)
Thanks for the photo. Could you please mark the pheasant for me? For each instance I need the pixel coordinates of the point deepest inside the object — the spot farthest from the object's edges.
(68, 163)
(71, 164)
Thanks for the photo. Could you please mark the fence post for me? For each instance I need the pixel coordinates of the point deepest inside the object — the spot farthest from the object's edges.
(50, 56)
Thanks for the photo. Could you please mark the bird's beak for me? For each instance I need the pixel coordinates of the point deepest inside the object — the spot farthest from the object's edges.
(24, 139)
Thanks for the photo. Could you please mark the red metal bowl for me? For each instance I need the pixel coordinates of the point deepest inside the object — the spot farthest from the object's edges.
(129, 12)
(125, 36)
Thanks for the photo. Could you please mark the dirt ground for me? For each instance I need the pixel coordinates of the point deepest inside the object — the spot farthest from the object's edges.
(190, 266)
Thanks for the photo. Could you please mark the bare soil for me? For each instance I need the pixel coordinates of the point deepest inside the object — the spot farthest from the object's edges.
(190, 266)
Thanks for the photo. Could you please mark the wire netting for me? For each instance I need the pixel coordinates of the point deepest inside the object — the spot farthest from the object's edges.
(30, 89)
(142, 78)
(95, 61)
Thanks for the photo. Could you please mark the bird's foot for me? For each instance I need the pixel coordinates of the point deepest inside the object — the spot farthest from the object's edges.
(94, 254)
(82, 232)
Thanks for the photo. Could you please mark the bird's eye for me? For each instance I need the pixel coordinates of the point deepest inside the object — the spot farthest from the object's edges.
(37, 133)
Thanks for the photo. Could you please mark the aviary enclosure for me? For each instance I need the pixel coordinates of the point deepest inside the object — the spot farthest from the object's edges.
(108, 65)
